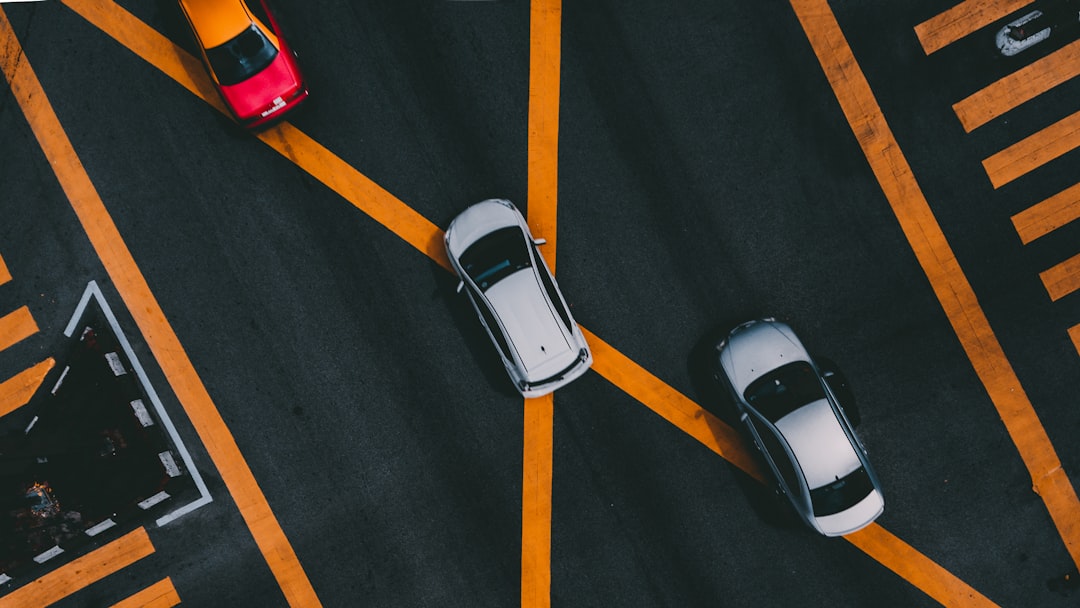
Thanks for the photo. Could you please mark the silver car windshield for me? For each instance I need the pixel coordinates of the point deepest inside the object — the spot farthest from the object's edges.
(841, 494)
(785, 389)
(496, 256)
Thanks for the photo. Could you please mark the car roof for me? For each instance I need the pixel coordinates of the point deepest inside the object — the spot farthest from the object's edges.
(819, 443)
(534, 329)
(217, 21)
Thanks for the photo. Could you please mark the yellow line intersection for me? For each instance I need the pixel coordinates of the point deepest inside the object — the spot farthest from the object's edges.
(401, 219)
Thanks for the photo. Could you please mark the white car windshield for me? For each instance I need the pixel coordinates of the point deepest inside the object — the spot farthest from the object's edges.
(841, 494)
(495, 256)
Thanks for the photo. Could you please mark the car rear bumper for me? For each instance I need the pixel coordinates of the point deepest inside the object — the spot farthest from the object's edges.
(276, 112)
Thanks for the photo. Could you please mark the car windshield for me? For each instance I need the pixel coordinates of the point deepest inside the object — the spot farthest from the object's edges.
(785, 389)
(242, 57)
(496, 256)
(841, 494)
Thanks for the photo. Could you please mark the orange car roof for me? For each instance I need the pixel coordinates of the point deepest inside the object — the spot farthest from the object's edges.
(217, 21)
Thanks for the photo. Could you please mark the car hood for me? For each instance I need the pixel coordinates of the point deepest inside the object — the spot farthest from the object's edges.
(819, 443)
(759, 347)
(535, 331)
(256, 94)
(854, 519)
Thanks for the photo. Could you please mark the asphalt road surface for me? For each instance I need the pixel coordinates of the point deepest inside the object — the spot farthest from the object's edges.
(707, 174)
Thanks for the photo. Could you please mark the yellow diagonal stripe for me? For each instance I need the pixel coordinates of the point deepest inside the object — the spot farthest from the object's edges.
(17, 390)
(1021, 86)
(965, 18)
(16, 326)
(82, 571)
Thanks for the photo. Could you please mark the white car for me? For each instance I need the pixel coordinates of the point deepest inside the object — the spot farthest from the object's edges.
(794, 412)
(516, 297)
(1023, 33)
(1060, 18)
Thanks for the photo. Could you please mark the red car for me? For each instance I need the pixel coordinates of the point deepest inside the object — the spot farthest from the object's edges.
(254, 69)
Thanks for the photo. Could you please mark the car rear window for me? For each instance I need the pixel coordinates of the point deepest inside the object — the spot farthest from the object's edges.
(785, 389)
(496, 256)
(242, 57)
(841, 494)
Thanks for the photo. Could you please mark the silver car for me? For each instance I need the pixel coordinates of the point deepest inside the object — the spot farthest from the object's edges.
(516, 297)
(796, 418)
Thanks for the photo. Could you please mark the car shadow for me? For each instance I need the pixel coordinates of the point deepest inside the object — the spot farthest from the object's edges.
(715, 397)
(472, 331)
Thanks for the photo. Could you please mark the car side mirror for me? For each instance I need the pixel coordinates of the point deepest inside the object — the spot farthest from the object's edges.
(539, 241)
(460, 286)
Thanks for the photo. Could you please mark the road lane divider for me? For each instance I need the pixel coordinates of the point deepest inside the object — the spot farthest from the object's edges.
(1021, 86)
(545, 55)
(1062, 279)
(1049, 215)
(965, 18)
(941, 267)
(358, 189)
(671, 405)
(918, 569)
(5, 274)
(156, 330)
(1033, 151)
(161, 594)
(17, 390)
(536, 483)
(127, 29)
(82, 571)
(1074, 335)
(16, 326)
(418, 231)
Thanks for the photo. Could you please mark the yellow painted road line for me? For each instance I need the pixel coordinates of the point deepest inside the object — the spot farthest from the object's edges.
(82, 571)
(161, 594)
(670, 404)
(1033, 151)
(1074, 335)
(16, 326)
(1049, 215)
(965, 18)
(536, 502)
(1020, 86)
(5, 276)
(545, 51)
(17, 390)
(358, 189)
(146, 42)
(155, 328)
(918, 569)
(1062, 279)
(947, 279)
(545, 44)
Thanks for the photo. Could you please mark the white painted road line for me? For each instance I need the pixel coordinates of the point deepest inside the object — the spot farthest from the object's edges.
(93, 291)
